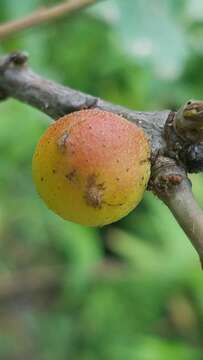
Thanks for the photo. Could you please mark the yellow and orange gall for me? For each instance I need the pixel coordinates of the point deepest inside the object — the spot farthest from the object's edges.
(92, 167)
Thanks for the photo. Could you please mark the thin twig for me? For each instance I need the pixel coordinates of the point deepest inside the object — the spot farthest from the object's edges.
(43, 15)
(188, 214)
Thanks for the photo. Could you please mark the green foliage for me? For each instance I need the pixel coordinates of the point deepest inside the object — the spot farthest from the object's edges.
(132, 290)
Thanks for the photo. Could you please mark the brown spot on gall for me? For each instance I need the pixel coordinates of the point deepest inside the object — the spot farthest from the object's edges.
(94, 192)
(72, 176)
(143, 161)
(61, 142)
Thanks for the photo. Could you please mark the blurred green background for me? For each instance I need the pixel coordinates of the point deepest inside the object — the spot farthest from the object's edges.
(131, 290)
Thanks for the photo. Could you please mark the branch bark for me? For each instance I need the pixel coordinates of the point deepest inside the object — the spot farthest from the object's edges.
(170, 155)
(43, 15)
(21, 83)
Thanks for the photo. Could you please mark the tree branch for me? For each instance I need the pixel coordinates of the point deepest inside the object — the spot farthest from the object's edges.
(19, 82)
(171, 157)
(43, 15)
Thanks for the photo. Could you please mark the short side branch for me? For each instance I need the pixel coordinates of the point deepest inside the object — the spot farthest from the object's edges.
(172, 186)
